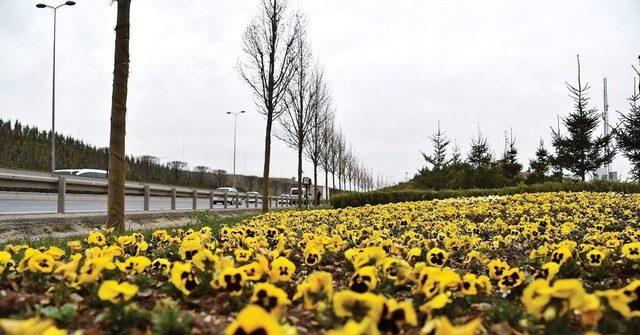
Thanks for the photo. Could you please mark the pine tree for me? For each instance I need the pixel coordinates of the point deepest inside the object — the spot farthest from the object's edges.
(540, 166)
(456, 156)
(628, 133)
(510, 165)
(440, 143)
(578, 151)
(480, 155)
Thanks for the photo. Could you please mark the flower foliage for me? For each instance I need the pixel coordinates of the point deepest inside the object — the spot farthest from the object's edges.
(529, 263)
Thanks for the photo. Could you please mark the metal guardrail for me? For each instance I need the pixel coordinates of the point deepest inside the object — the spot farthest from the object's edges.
(70, 184)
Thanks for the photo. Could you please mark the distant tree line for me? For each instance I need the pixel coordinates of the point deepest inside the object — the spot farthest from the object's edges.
(578, 151)
(27, 147)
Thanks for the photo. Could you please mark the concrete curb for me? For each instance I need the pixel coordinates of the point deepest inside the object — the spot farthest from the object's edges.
(26, 225)
(101, 217)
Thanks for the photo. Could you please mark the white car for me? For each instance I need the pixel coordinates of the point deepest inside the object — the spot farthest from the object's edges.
(231, 196)
(293, 196)
(87, 173)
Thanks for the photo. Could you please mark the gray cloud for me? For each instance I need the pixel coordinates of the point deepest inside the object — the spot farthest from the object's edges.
(395, 68)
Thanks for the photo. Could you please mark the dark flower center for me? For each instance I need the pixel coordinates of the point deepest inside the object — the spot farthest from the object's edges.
(437, 258)
(259, 331)
(267, 302)
(360, 283)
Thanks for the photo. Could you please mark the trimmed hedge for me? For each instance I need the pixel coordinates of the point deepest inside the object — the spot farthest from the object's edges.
(385, 197)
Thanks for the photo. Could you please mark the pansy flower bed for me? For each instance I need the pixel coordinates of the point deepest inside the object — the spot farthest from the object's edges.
(548, 263)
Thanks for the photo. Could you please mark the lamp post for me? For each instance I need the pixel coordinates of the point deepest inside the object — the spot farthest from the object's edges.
(53, 92)
(235, 122)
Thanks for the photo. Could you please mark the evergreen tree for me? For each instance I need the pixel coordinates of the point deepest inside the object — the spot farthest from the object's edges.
(540, 166)
(440, 143)
(480, 155)
(456, 156)
(578, 151)
(510, 165)
(628, 133)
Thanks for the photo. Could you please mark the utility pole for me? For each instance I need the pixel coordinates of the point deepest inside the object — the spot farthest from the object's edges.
(605, 118)
(53, 88)
(235, 128)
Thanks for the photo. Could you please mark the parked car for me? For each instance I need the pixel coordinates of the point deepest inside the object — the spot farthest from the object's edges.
(88, 173)
(253, 196)
(231, 196)
(293, 196)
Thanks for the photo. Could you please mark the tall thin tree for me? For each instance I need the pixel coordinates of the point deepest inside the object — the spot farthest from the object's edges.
(336, 139)
(540, 166)
(321, 109)
(326, 148)
(117, 169)
(579, 151)
(440, 143)
(296, 121)
(268, 68)
(628, 133)
(510, 165)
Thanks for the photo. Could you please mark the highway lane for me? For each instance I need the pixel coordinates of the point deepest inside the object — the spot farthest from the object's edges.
(21, 203)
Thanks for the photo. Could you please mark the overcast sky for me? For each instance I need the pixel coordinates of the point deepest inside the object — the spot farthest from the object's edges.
(395, 68)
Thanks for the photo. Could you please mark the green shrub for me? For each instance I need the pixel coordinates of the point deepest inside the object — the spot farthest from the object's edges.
(393, 196)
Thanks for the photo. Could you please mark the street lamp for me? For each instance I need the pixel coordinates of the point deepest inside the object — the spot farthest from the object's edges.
(235, 122)
(53, 93)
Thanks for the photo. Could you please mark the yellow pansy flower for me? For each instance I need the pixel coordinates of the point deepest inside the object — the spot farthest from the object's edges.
(31, 326)
(111, 290)
(184, 278)
(272, 298)
(97, 238)
(254, 319)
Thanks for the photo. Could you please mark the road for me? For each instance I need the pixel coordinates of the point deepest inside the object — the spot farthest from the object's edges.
(23, 202)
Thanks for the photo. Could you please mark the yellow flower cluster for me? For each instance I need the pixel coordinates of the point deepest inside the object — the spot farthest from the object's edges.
(433, 267)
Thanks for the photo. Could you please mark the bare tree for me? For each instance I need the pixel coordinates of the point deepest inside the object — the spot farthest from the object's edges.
(251, 180)
(336, 139)
(341, 160)
(220, 177)
(295, 123)
(321, 110)
(176, 167)
(268, 68)
(147, 162)
(117, 168)
(349, 168)
(201, 171)
(328, 130)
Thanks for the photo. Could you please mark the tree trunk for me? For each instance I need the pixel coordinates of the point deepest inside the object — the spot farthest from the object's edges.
(326, 185)
(333, 178)
(300, 190)
(316, 201)
(267, 160)
(116, 191)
